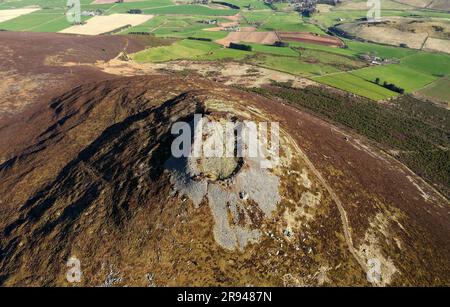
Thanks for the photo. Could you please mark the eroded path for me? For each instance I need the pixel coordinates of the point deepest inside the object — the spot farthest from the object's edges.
(337, 201)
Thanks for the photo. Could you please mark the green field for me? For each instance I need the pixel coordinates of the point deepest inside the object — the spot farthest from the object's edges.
(354, 84)
(142, 5)
(283, 51)
(50, 20)
(438, 90)
(437, 64)
(147, 26)
(387, 52)
(12, 4)
(280, 21)
(355, 48)
(190, 10)
(178, 26)
(287, 22)
(184, 49)
(292, 65)
(224, 54)
(341, 62)
(331, 50)
(214, 35)
(52, 4)
(404, 77)
(413, 73)
(51, 17)
(385, 5)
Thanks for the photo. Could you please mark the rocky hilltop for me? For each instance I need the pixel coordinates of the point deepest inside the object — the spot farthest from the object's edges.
(95, 180)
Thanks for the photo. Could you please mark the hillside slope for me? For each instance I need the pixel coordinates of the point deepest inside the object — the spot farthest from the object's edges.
(96, 181)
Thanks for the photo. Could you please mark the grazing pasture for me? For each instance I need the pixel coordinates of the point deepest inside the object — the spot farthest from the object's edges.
(225, 54)
(283, 51)
(189, 10)
(185, 49)
(341, 62)
(387, 52)
(437, 91)
(113, 1)
(402, 76)
(437, 64)
(292, 65)
(354, 84)
(48, 20)
(288, 22)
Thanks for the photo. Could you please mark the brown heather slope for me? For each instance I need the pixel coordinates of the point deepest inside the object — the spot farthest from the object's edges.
(93, 182)
(35, 56)
(35, 67)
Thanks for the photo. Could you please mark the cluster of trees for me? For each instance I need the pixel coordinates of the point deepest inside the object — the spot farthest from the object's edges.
(200, 39)
(391, 86)
(232, 6)
(134, 11)
(240, 47)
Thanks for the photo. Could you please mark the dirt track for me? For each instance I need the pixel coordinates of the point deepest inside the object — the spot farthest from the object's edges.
(337, 201)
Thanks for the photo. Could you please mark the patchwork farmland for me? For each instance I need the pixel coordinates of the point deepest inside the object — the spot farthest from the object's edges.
(308, 50)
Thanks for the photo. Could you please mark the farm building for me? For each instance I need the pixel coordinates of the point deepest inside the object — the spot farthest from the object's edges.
(209, 21)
